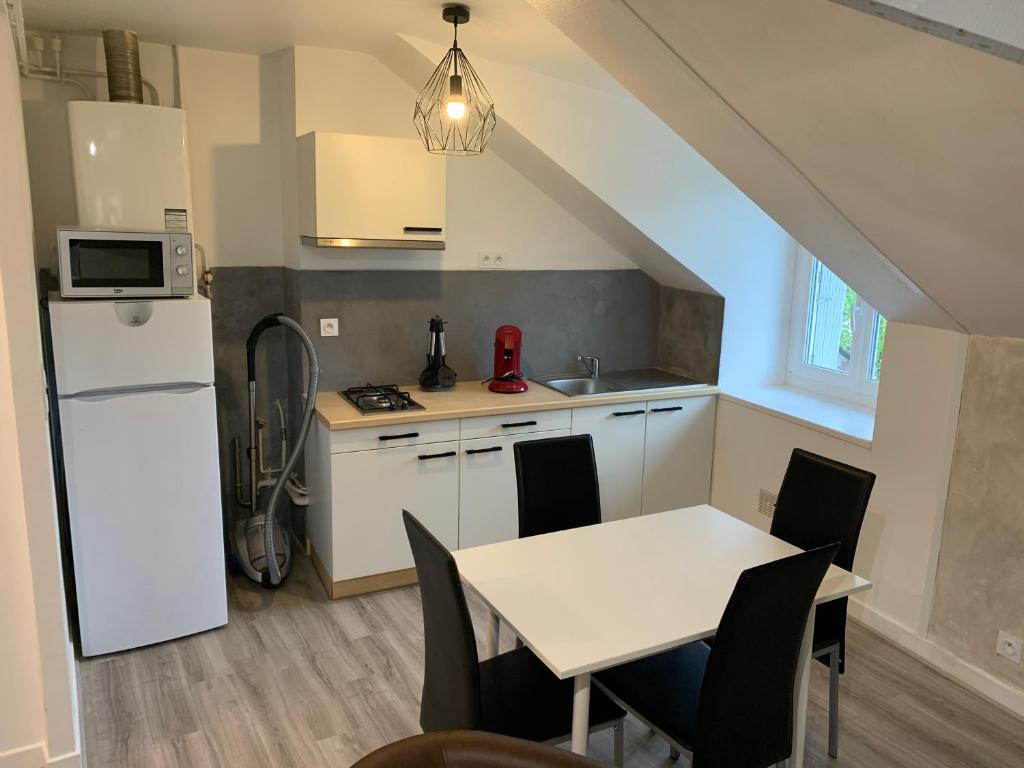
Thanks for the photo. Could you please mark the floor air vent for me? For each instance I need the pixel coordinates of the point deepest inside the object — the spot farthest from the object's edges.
(766, 502)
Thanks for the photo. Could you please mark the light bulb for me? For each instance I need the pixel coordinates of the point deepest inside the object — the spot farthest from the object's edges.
(456, 108)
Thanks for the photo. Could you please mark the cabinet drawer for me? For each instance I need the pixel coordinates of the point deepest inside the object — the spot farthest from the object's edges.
(393, 436)
(515, 423)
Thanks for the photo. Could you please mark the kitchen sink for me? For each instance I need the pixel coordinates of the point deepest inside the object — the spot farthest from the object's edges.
(574, 386)
(617, 381)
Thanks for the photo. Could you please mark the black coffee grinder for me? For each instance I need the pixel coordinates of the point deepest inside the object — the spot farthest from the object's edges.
(437, 376)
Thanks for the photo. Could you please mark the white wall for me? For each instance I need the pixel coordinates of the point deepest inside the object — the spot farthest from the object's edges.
(915, 426)
(38, 709)
(233, 155)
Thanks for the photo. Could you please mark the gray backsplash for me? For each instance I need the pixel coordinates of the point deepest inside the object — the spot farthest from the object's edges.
(621, 316)
(382, 337)
(690, 333)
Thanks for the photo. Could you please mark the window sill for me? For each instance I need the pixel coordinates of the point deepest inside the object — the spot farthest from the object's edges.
(845, 421)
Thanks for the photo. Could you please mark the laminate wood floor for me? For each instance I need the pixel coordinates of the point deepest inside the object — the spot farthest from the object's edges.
(297, 680)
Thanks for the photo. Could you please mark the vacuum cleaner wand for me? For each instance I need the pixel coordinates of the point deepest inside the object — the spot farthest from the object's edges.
(272, 540)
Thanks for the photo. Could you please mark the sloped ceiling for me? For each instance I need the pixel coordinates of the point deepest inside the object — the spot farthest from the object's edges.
(848, 130)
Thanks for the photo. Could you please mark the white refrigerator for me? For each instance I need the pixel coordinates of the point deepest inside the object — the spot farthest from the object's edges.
(138, 424)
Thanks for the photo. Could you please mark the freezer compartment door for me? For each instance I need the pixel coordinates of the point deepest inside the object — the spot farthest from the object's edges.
(121, 344)
(145, 514)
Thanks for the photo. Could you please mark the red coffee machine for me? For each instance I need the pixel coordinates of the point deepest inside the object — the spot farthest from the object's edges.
(508, 367)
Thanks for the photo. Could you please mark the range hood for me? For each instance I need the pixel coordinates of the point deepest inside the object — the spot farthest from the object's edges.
(376, 192)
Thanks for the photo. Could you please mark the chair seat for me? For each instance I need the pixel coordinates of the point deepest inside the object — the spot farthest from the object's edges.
(664, 690)
(521, 697)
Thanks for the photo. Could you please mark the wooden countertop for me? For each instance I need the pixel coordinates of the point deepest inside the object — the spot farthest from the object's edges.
(472, 398)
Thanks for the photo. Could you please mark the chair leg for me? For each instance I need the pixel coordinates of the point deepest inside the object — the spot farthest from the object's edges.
(833, 703)
(619, 733)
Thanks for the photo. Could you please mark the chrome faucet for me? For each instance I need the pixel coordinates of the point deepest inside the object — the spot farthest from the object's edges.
(592, 364)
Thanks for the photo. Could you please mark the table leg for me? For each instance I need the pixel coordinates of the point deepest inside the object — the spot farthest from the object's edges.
(803, 679)
(580, 713)
(492, 629)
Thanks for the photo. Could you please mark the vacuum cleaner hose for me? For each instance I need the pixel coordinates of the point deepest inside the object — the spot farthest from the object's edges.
(273, 573)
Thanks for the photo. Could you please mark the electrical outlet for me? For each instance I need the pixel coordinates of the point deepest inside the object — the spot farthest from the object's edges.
(1009, 646)
(328, 326)
(492, 260)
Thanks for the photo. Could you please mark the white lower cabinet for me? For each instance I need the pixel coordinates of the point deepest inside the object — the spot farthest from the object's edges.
(618, 435)
(651, 456)
(488, 495)
(371, 488)
(678, 449)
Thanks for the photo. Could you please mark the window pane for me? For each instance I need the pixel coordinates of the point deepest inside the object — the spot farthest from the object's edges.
(830, 321)
(877, 347)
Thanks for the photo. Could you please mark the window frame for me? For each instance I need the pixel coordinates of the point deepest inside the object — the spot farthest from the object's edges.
(855, 386)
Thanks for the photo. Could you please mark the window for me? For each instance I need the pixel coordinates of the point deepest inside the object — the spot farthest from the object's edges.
(837, 340)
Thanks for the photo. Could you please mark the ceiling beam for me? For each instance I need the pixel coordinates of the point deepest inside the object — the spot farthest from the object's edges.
(964, 23)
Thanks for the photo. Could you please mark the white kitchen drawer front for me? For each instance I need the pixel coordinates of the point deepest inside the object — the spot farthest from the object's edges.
(516, 423)
(488, 495)
(371, 488)
(394, 436)
(618, 435)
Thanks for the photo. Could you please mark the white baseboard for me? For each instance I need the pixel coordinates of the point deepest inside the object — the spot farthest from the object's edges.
(978, 680)
(32, 756)
(69, 760)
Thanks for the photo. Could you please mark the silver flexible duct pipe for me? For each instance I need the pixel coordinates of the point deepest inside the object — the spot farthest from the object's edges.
(124, 77)
(273, 569)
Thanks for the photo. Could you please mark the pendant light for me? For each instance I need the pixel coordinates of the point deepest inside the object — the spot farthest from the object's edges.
(454, 114)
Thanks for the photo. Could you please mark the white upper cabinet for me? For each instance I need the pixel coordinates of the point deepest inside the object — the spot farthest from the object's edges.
(370, 192)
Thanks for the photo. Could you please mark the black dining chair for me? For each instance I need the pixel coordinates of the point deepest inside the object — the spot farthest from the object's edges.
(513, 693)
(557, 481)
(823, 501)
(730, 705)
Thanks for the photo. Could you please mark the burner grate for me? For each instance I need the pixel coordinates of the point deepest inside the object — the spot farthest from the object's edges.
(375, 399)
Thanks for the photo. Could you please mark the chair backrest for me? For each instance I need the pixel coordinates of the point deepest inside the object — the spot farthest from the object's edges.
(745, 714)
(823, 501)
(472, 749)
(451, 676)
(558, 488)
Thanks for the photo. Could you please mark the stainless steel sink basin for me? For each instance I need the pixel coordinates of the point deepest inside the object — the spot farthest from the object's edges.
(617, 381)
(578, 386)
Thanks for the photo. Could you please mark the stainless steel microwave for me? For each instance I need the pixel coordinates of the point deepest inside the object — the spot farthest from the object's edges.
(113, 263)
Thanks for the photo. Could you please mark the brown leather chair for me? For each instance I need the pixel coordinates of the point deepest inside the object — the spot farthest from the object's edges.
(472, 749)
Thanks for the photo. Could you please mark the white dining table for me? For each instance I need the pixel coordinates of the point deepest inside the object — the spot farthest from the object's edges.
(590, 598)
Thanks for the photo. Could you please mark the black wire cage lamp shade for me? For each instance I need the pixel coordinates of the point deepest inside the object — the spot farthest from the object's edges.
(454, 113)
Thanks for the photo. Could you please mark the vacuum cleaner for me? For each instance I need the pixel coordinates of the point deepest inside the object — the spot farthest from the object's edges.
(261, 547)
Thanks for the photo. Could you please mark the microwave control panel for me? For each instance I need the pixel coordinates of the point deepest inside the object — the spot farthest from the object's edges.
(182, 278)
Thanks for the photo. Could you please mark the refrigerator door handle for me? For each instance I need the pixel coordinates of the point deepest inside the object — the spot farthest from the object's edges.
(178, 388)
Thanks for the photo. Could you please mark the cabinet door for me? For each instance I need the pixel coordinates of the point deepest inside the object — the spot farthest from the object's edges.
(373, 187)
(618, 434)
(370, 489)
(489, 496)
(677, 453)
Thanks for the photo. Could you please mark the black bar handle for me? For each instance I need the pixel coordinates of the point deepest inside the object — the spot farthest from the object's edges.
(399, 437)
(432, 230)
(519, 424)
(492, 449)
(666, 410)
(427, 456)
(629, 413)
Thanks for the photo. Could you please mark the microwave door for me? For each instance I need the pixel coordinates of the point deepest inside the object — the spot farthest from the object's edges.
(110, 265)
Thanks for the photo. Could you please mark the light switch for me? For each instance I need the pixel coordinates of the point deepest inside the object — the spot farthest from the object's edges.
(328, 326)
